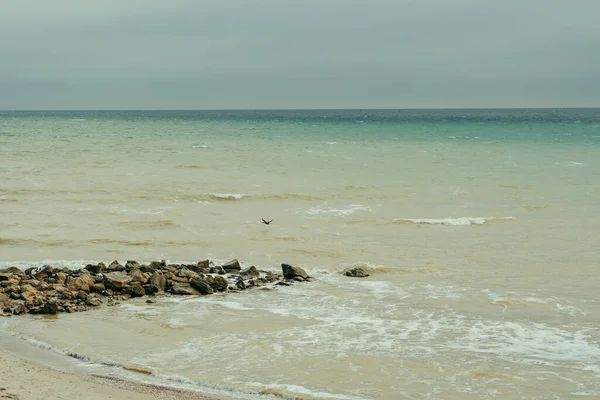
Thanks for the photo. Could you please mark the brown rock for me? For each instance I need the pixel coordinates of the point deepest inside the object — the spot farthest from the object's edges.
(290, 272)
(183, 290)
(158, 279)
(98, 287)
(203, 267)
(186, 273)
(116, 279)
(67, 295)
(50, 307)
(139, 276)
(219, 283)
(136, 290)
(83, 282)
(27, 291)
(12, 270)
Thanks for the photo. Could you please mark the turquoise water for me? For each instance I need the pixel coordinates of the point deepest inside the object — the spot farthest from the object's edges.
(480, 228)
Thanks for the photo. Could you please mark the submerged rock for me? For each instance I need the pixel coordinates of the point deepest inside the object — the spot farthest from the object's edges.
(357, 272)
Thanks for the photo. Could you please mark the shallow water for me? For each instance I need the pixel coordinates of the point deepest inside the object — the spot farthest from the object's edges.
(479, 229)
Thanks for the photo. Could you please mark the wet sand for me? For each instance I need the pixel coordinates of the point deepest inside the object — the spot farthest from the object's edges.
(23, 379)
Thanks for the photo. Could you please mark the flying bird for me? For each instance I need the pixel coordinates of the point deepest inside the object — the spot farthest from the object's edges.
(266, 222)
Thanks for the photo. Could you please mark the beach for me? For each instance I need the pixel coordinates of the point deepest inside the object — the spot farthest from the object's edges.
(478, 230)
(22, 379)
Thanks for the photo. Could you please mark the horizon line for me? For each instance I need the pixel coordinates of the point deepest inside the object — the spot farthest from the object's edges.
(298, 109)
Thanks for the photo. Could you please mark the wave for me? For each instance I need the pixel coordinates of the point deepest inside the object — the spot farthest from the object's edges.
(460, 221)
(149, 225)
(338, 212)
(207, 197)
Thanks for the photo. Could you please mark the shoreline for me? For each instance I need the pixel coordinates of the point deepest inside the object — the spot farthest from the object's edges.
(25, 379)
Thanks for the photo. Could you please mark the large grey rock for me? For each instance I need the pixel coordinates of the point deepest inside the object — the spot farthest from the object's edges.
(290, 272)
(231, 266)
(202, 286)
(249, 272)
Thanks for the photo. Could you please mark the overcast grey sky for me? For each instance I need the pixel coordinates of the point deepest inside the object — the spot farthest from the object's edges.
(220, 54)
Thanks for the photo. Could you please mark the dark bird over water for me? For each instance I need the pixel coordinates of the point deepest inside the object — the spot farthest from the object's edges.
(266, 222)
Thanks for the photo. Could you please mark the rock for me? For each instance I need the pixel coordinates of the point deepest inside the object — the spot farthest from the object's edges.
(4, 301)
(27, 291)
(95, 269)
(203, 267)
(271, 277)
(155, 265)
(44, 273)
(12, 270)
(240, 284)
(130, 264)
(184, 290)
(117, 279)
(357, 272)
(219, 283)
(259, 281)
(231, 266)
(249, 272)
(50, 307)
(68, 295)
(290, 272)
(84, 282)
(158, 280)
(150, 301)
(98, 287)
(201, 286)
(136, 290)
(139, 276)
(9, 277)
(186, 273)
(19, 309)
(93, 301)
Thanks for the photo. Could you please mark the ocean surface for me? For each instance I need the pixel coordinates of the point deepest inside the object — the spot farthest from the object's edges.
(480, 229)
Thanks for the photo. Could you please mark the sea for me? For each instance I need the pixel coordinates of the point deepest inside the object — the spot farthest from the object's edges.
(480, 230)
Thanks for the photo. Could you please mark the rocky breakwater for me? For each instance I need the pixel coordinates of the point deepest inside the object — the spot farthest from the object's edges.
(50, 290)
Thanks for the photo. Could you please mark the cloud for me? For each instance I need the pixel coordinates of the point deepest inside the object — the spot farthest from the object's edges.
(290, 54)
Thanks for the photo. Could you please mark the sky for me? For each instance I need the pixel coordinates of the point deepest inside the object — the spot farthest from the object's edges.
(284, 54)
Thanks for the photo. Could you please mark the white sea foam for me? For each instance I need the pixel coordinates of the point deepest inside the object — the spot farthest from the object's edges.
(338, 212)
(70, 264)
(460, 221)
(303, 391)
(531, 343)
(228, 196)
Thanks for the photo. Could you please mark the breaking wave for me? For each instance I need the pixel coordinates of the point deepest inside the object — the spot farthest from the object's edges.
(460, 221)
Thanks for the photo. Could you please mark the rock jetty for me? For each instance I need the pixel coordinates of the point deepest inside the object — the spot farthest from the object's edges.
(49, 290)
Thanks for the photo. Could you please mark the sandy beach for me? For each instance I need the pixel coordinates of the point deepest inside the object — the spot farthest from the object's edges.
(23, 379)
